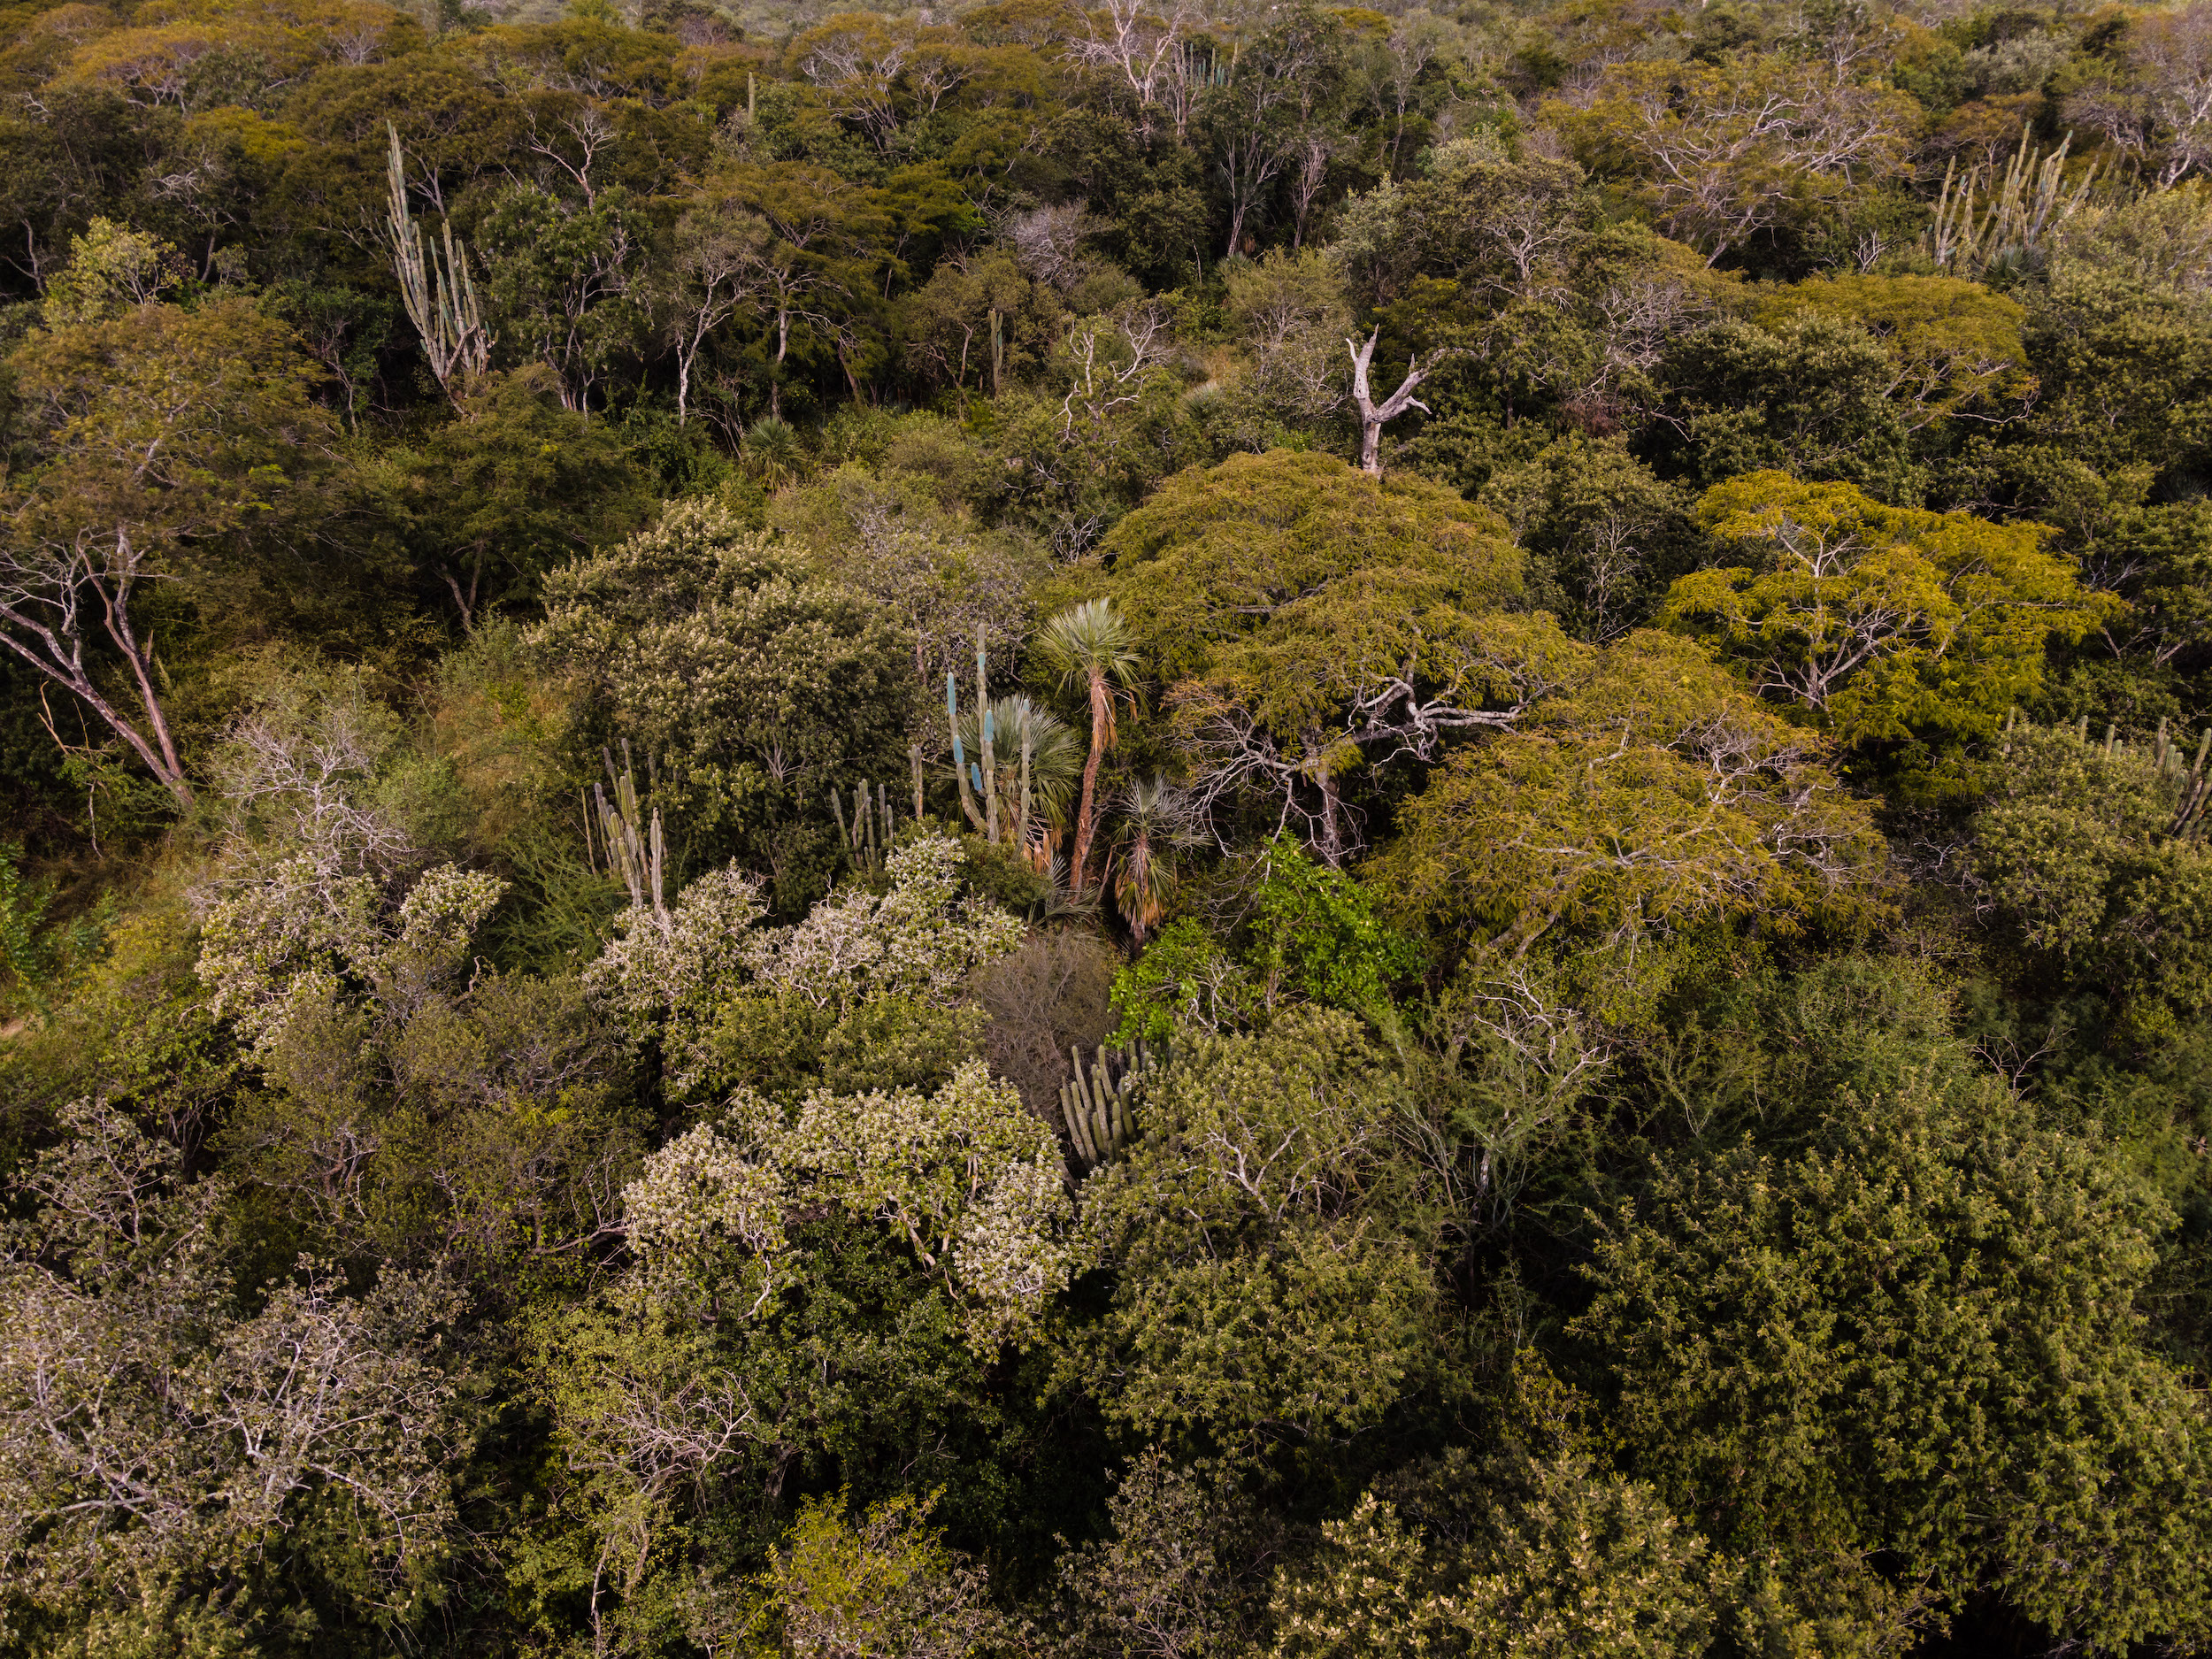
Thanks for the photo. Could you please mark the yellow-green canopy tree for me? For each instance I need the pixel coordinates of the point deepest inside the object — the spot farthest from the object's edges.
(1879, 623)
(1955, 346)
(1310, 620)
(1651, 795)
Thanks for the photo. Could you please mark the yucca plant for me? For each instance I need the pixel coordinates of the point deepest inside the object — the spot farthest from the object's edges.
(771, 454)
(1089, 646)
(1152, 821)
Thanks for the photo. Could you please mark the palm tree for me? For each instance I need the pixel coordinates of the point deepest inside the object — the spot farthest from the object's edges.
(1154, 823)
(1089, 645)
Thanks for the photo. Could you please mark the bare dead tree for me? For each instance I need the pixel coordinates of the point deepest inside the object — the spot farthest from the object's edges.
(51, 598)
(1374, 416)
(1130, 39)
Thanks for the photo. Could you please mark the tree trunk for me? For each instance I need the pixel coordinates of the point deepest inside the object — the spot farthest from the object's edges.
(66, 668)
(1372, 416)
(171, 771)
(1332, 848)
(1086, 810)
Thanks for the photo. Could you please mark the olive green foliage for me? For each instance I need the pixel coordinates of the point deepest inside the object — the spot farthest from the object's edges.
(1310, 623)
(1586, 1037)
(2087, 864)
(1266, 1235)
(1290, 547)
(1919, 1328)
(1574, 1563)
(884, 1585)
(750, 682)
(1954, 346)
(893, 534)
(1183, 1567)
(821, 1287)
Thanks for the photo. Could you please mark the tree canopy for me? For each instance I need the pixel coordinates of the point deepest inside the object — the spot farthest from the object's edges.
(1056, 832)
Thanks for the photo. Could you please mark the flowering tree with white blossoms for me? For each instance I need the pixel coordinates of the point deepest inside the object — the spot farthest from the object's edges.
(294, 941)
(918, 939)
(795, 1270)
(965, 1178)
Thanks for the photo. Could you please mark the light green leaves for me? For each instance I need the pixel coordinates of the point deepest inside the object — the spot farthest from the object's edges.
(1880, 623)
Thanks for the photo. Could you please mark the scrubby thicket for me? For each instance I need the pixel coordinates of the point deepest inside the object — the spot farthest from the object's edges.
(1104, 832)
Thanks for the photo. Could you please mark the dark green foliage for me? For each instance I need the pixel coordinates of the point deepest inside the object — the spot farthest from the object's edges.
(1918, 1330)
(747, 682)
(1610, 1055)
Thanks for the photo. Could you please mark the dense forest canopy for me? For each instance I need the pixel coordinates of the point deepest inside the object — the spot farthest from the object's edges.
(1179, 829)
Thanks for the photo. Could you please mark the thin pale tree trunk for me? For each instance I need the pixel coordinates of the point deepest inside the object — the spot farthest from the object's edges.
(1102, 713)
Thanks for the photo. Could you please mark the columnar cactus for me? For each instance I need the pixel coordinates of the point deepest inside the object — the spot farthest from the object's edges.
(635, 853)
(868, 832)
(1099, 1103)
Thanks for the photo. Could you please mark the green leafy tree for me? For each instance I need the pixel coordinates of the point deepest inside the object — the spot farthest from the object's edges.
(1317, 937)
(1881, 624)
(811, 282)
(1601, 533)
(752, 683)
(1492, 220)
(1269, 1244)
(2093, 865)
(163, 434)
(1809, 395)
(491, 501)
(1920, 1335)
(564, 281)
(2124, 370)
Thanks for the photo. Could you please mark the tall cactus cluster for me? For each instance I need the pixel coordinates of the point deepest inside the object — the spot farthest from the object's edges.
(1984, 218)
(1099, 1103)
(2195, 784)
(866, 834)
(633, 850)
(440, 296)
